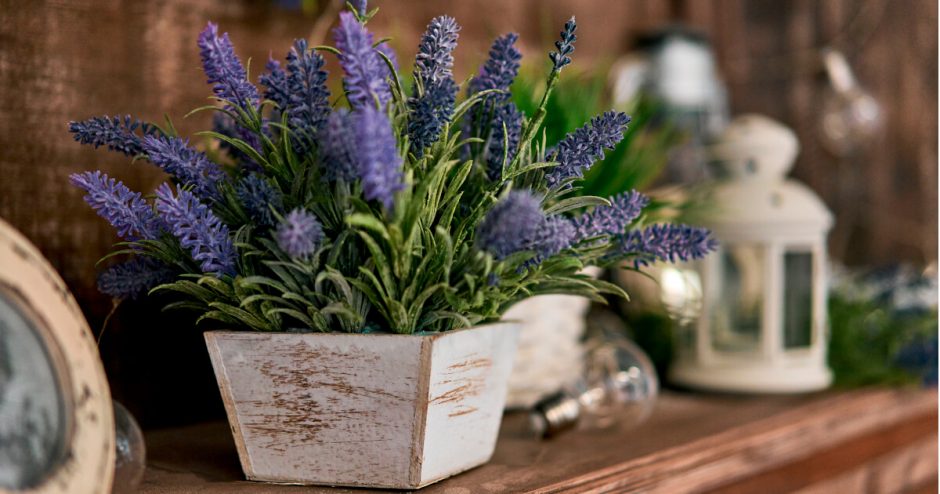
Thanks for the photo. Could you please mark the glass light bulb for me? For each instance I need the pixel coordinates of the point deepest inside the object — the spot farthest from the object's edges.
(131, 460)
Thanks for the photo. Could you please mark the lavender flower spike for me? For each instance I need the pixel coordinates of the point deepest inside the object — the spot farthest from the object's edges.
(338, 147)
(309, 96)
(511, 225)
(578, 151)
(275, 85)
(505, 128)
(198, 230)
(299, 234)
(565, 46)
(127, 211)
(611, 220)
(500, 69)
(377, 156)
(224, 70)
(433, 108)
(190, 167)
(434, 61)
(556, 234)
(667, 242)
(130, 279)
(365, 71)
(116, 133)
(258, 197)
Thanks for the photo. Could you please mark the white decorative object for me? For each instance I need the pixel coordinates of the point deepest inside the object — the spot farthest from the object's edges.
(764, 326)
(56, 422)
(550, 355)
(367, 410)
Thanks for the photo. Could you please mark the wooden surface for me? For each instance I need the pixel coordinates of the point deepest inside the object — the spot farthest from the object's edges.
(865, 441)
(395, 411)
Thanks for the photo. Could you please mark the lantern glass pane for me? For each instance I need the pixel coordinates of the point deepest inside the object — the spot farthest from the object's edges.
(798, 299)
(738, 313)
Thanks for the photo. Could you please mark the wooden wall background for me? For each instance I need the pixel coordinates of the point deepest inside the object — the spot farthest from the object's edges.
(72, 59)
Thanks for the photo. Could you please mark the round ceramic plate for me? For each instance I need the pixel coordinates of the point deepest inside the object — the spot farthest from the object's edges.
(56, 423)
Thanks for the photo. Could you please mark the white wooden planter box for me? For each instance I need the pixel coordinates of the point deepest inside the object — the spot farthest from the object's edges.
(369, 410)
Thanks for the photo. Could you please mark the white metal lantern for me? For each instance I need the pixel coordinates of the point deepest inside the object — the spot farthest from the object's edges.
(764, 324)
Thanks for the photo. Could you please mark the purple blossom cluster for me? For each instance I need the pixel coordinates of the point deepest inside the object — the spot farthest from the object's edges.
(517, 223)
(667, 243)
(198, 229)
(565, 46)
(556, 234)
(433, 107)
(338, 147)
(578, 151)
(299, 234)
(365, 81)
(497, 120)
(135, 277)
(124, 135)
(503, 141)
(499, 70)
(301, 91)
(511, 225)
(188, 166)
(124, 209)
(259, 197)
(224, 70)
(377, 157)
(611, 220)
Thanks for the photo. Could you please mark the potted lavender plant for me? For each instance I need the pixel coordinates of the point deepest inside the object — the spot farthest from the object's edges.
(358, 258)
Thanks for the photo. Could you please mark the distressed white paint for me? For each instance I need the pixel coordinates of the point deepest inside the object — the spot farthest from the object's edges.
(33, 286)
(375, 410)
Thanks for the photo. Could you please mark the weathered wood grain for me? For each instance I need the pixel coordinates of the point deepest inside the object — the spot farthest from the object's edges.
(377, 410)
(693, 443)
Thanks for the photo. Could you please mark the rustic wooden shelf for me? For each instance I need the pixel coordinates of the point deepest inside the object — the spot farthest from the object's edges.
(860, 441)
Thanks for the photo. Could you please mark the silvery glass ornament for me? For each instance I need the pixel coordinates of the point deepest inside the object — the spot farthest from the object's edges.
(131, 460)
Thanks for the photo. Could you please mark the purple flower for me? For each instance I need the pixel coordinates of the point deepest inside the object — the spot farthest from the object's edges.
(506, 128)
(130, 279)
(434, 61)
(554, 235)
(258, 196)
(361, 6)
(197, 229)
(430, 112)
(377, 157)
(301, 92)
(224, 70)
(500, 69)
(611, 220)
(433, 107)
(275, 84)
(118, 134)
(338, 147)
(365, 71)
(511, 225)
(188, 166)
(299, 234)
(127, 211)
(666, 242)
(565, 46)
(579, 150)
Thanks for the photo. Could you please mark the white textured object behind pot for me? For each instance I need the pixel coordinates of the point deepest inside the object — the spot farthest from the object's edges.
(550, 353)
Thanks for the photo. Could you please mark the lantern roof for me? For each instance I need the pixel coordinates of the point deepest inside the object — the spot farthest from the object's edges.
(751, 160)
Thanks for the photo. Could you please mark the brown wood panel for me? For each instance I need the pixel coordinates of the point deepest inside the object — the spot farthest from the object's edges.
(692, 443)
